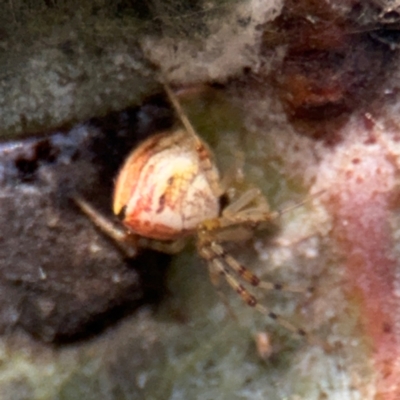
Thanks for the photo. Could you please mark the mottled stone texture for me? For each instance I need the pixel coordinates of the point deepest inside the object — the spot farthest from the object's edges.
(294, 97)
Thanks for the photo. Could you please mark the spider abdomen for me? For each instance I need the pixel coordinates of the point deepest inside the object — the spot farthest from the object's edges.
(165, 189)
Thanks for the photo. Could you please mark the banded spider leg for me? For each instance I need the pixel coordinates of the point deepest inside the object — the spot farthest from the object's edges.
(240, 213)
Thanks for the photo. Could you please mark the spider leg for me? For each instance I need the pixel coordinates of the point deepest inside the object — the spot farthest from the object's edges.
(239, 204)
(205, 161)
(249, 276)
(240, 211)
(215, 274)
(128, 242)
(218, 264)
(125, 241)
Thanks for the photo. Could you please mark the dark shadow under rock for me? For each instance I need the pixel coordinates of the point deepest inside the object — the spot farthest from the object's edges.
(61, 279)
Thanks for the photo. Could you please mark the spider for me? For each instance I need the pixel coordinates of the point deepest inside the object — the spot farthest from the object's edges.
(169, 189)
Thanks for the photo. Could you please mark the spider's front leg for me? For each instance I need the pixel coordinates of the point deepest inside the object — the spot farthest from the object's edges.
(252, 208)
(223, 264)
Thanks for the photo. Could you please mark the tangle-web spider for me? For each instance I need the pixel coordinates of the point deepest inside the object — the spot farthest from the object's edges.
(169, 189)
